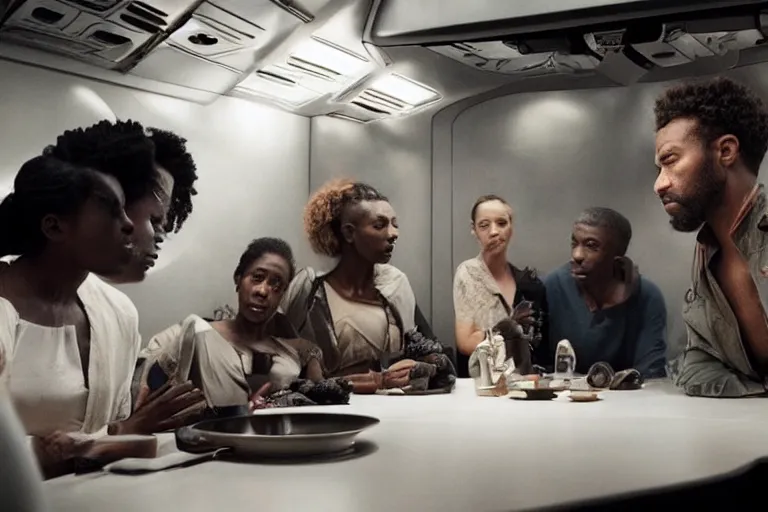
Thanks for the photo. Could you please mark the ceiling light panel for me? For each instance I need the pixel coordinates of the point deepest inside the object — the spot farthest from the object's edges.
(321, 58)
(404, 89)
(277, 86)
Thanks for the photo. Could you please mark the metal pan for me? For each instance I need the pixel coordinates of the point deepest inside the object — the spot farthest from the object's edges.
(281, 435)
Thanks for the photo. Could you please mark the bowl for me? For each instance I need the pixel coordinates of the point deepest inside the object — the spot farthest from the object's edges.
(276, 435)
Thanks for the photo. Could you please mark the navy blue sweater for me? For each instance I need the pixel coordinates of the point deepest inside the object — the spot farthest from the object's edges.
(631, 334)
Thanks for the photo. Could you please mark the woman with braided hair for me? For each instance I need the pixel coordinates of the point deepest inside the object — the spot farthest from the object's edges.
(363, 314)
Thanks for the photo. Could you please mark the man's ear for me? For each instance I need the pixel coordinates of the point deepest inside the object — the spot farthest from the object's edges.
(52, 227)
(348, 232)
(236, 279)
(727, 149)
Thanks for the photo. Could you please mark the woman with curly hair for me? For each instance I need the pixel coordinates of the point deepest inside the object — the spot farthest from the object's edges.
(159, 206)
(489, 293)
(363, 314)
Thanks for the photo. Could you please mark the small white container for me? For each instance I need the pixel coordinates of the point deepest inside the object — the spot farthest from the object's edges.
(565, 360)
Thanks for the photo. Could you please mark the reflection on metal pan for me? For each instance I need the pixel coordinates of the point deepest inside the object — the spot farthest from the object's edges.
(276, 435)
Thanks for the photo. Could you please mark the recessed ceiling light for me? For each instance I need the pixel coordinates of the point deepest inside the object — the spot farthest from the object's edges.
(405, 89)
(323, 55)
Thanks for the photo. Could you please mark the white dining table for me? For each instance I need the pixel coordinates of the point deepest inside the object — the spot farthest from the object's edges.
(461, 452)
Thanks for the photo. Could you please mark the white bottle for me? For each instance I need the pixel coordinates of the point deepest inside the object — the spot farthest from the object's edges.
(565, 360)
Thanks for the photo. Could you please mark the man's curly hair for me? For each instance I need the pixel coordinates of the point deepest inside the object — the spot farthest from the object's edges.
(721, 106)
(171, 154)
(322, 215)
(120, 149)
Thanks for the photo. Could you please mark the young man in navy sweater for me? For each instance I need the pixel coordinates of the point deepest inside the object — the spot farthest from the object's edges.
(602, 305)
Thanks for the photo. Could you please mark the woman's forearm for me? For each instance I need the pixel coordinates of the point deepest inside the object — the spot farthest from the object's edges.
(314, 371)
(467, 340)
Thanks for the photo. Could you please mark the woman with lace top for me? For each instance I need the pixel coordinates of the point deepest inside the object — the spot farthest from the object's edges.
(489, 292)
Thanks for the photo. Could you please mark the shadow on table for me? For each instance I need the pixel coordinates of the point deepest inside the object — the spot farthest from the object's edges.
(358, 450)
(739, 489)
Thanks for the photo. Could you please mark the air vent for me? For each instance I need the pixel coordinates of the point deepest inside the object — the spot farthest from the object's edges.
(112, 34)
(345, 117)
(293, 7)
(394, 95)
(400, 90)
(96, 5)
(47, 16)
(137, 9)
(104, 37)
(313, 69)
(151, 9)
(328, 61)
(464, 47)
(280, 79)
(371, 108)
(202, 39)
(272, 84)
(140, 24)
(220, 37)
(382, 101)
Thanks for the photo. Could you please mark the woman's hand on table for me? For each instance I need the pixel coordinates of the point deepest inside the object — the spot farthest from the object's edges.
(258, 399)
(55, 450)
(167, 408)
(59, 447)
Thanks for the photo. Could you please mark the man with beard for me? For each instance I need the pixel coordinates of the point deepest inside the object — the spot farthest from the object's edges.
(601, 304)
(710, 141)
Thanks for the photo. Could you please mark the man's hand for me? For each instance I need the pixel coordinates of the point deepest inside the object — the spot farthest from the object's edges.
(258, 399)
(168, 408)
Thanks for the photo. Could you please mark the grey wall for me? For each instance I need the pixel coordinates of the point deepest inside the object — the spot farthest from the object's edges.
(552, 154)
(253, 164)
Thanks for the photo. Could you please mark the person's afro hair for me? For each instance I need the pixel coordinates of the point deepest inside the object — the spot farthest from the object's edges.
(721, 106)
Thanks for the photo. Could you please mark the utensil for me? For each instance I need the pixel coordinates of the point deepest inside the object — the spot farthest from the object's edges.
(133, 466)
(275, 434)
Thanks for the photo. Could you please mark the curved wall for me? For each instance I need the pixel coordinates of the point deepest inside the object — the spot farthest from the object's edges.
(552, 154)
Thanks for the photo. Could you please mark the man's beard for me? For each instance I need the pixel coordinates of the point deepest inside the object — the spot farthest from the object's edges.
(694, 208)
